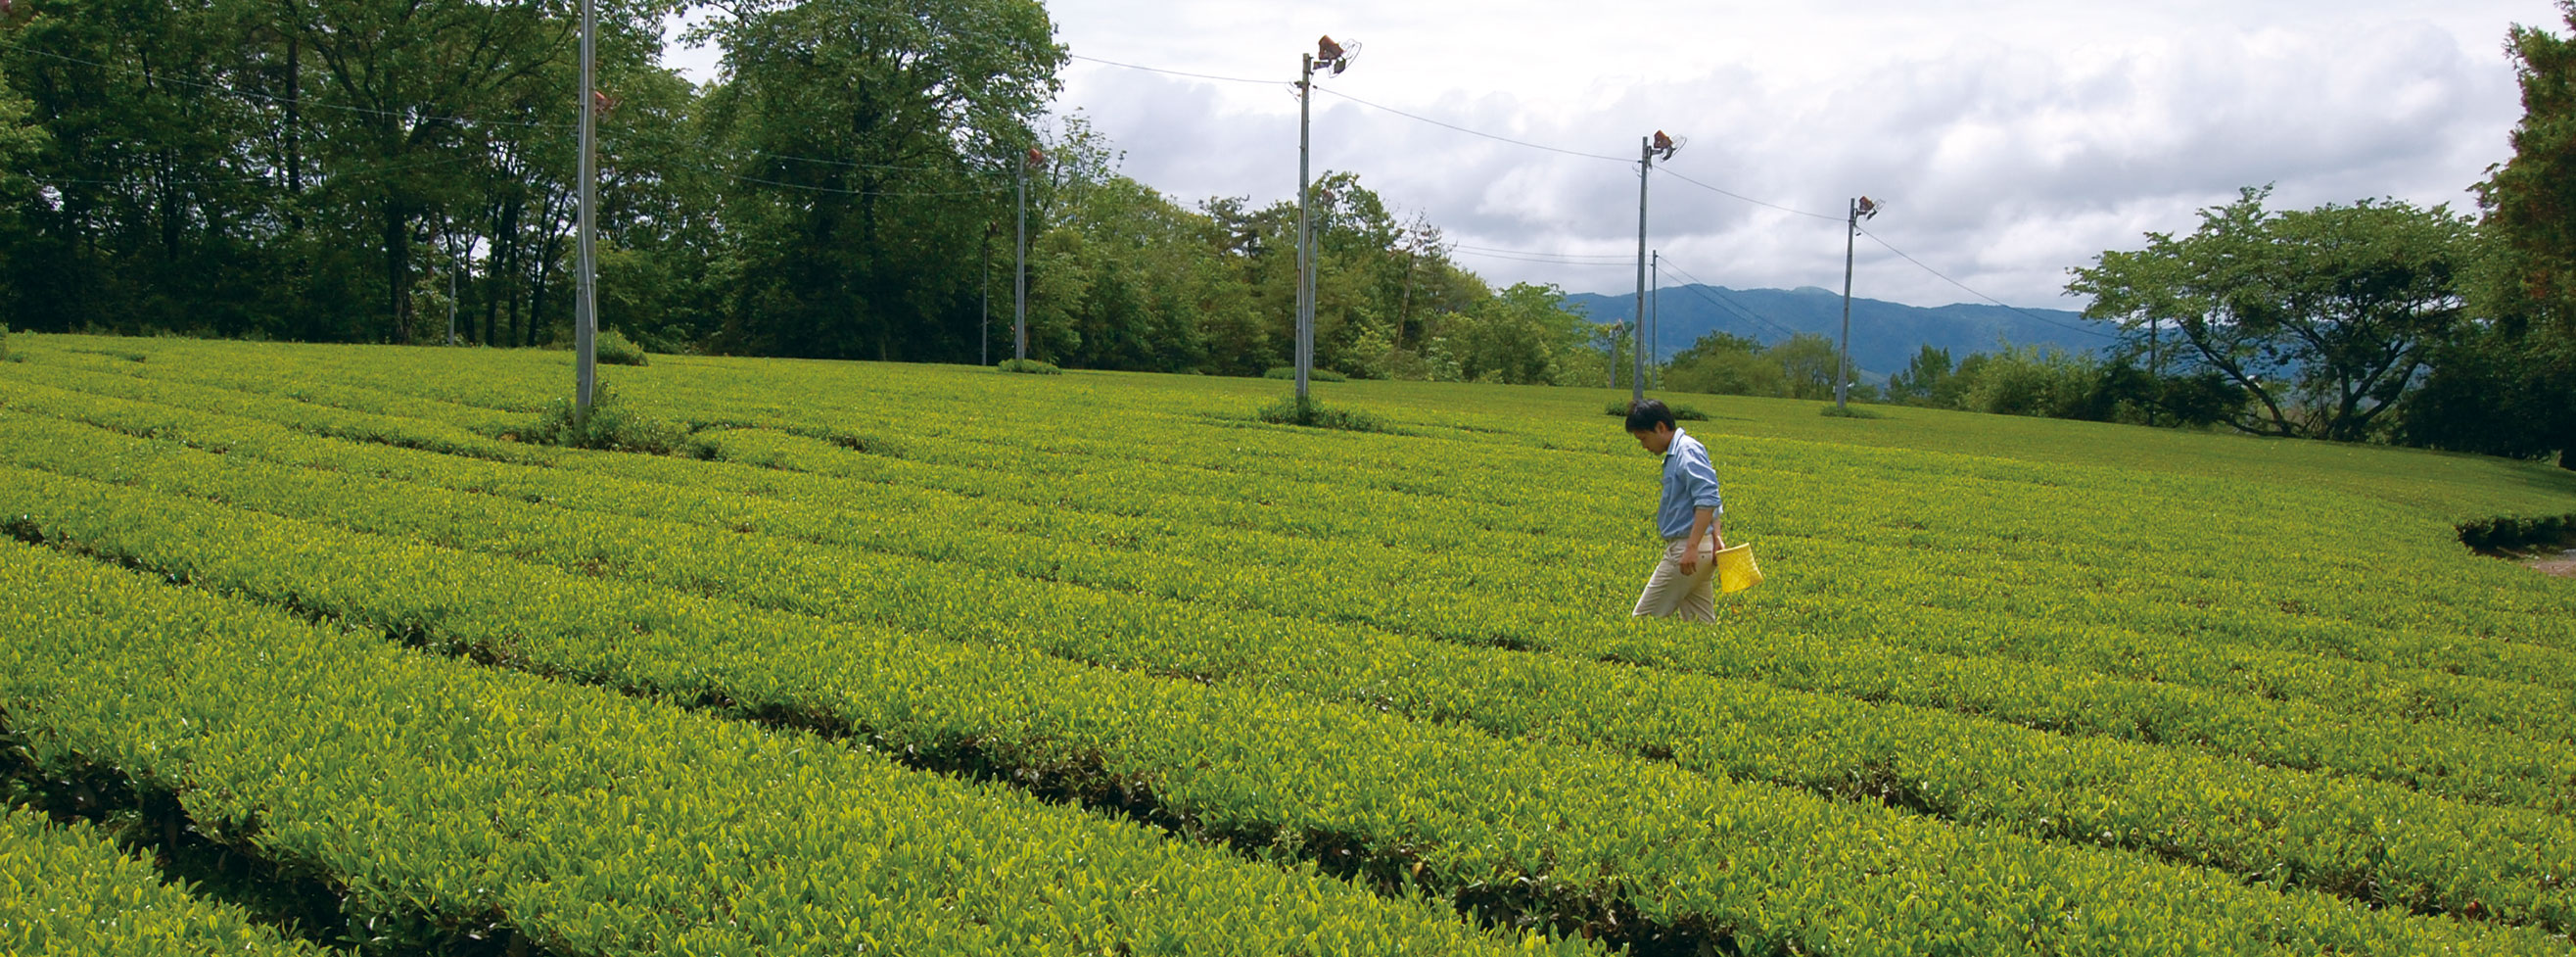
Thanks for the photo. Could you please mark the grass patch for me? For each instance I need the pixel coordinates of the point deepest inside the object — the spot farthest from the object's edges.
(1312, 414)
(611, 427)
(1028, 366)
(1312, 375)
(1852, 412)
(1681, 413)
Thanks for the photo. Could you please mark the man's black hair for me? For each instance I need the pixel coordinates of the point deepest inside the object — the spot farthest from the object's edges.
(1644, 414)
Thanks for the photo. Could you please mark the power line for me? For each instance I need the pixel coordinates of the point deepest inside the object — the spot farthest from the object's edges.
(2025, 313)
(1714, 294)
(1462, 129)
(1156, 69)
(1735, 195)
(1481, 254)
(1534, 254)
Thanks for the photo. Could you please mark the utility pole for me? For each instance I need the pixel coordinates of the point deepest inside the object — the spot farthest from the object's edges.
(1305, 233)
(1861, 209)
(1020, 285)
(984, 295)
(1655, 314)
(1330, 54)
(454, 262)
(585, 289)
(1647, 149)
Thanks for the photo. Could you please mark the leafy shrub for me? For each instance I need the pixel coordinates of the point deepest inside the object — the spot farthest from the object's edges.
(1307, 412)
(1851, 412)
(1030, 366)
(611, 427)
(2497, 534)
(1619, 407)
(613, 348)
(1312, 375)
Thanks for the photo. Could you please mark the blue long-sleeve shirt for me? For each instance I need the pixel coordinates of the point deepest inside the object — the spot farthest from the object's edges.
(1690, 484)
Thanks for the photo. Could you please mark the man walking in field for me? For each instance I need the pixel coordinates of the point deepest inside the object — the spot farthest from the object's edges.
(1684, 582)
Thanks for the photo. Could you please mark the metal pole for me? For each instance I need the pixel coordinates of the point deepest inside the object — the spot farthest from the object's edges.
(1655, 313)
(586, 291)
(1020, 285)
(1645, 160)
(1851, 234)
(454, 261)
(984, 294)
(1305, 231)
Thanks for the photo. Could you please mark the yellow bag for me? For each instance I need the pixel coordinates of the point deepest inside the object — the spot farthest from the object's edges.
(1736, 570)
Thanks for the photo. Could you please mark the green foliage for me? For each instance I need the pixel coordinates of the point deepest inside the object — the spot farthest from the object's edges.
(2040, 736)
(1314, 414)
(2326, 318)
(1800, 367)
(1851, 412)
(1681, 412)
(72, 892)
(2501, 386)
(611, 347)
(2509, 532)
(611, 426)
(2030, 380)
(1027, 367)
(1312, 375)
(315, 732)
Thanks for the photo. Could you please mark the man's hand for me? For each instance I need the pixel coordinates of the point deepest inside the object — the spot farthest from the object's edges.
(1691, 560)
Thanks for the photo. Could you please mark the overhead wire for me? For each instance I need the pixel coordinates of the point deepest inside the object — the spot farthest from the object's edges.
(1157, 69)
(1666, 170)
(2025, 313)
(1716, 295)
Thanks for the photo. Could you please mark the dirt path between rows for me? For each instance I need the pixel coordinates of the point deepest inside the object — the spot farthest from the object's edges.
(2561, 567)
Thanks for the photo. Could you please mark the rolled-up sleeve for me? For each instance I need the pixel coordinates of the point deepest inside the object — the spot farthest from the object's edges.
(1699, 479)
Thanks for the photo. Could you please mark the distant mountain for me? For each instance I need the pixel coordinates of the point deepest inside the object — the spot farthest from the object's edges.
(1885, 335)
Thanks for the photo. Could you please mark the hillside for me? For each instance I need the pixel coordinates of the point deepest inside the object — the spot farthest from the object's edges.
(1885, 335)
(937, 660)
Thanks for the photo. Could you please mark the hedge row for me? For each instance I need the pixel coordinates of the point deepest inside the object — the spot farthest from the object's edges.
(2494, 742)
(69, 891)
(428, 789)
(2298, 828)
(1445, 808)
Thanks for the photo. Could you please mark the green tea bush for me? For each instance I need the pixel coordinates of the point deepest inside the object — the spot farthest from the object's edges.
(1619, 407)
(2511, 532)
(1029, 366)
(1851, 412)
(611, 427)
(1315, 415)
(613, 348)
(1312, 375)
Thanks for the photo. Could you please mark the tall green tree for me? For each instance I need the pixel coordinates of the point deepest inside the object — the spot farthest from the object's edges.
(869, 143)
(2328, 317)
(2504, 384)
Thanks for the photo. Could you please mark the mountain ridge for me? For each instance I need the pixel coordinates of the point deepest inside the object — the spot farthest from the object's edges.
(1885, 335)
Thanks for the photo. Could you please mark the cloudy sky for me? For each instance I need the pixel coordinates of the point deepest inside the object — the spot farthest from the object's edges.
(2007, 140)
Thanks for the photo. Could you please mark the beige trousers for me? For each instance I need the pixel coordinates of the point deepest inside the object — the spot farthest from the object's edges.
(1669, 593)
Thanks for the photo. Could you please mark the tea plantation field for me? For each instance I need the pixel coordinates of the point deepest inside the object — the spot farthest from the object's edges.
(929, 660)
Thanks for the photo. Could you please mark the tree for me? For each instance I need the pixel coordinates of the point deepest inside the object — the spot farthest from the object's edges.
(2507, 385)
(1808, 363)
(1725, 364)
(869, 143)
(1925, 381)
(2326, 318)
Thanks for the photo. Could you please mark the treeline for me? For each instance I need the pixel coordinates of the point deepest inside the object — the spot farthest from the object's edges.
(371, 171)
